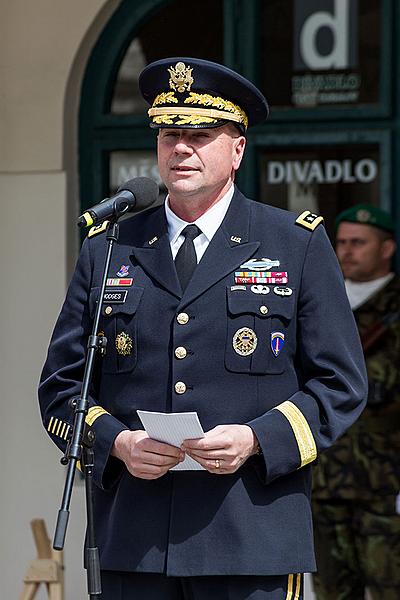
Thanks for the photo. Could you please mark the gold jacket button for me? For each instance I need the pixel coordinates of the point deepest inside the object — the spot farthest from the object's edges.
(180, 387)
(108, 310)
(182, 318)
(263, 309)
(180, 352)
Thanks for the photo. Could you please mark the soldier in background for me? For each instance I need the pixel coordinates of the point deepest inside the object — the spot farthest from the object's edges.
(357, 482)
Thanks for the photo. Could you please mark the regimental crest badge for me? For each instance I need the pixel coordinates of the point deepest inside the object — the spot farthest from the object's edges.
(181, 78)
(277, 341)
(124, 270)
(244, 341)
(123, 343)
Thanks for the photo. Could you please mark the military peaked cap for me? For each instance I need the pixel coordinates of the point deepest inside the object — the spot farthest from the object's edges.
(190, 92)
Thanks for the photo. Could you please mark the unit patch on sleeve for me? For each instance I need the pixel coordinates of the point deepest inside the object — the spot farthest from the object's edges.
(309, 220)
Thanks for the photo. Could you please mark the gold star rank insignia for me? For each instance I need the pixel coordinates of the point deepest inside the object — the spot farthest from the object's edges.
(309, 220)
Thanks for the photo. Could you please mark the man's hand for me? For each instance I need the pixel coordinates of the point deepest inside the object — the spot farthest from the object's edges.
(223, 449)
(143, 457)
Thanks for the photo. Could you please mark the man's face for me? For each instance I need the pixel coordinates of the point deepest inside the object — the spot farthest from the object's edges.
(362, 252)
(198, 162)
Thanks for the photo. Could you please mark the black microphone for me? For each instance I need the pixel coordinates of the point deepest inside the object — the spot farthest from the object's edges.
(138, 193)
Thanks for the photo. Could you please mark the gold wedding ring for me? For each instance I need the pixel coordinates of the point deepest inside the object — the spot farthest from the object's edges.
(217, 463)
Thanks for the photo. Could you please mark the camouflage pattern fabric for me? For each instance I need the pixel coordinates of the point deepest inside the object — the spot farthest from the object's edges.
(357, 481)
(357, 547)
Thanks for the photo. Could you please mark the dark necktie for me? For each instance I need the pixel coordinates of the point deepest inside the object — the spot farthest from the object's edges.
(186, 259)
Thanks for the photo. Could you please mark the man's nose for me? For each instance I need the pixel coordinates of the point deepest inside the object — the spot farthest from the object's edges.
(183, 146)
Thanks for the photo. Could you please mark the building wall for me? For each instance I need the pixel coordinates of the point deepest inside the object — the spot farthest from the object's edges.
(44, 46)
(43, 50)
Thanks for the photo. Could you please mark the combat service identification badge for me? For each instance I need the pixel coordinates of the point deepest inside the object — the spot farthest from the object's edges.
(123, 343)
(244, 341)
(277, 341)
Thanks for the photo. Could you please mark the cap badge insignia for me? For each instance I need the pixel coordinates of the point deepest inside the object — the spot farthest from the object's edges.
(180, 77)
(277, 341)
(282, 291)
(123, 272)
(363, 215)
(244, 341)
(123, 343)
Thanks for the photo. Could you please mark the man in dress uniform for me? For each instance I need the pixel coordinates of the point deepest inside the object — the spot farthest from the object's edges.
(357, 482)
(234, 310)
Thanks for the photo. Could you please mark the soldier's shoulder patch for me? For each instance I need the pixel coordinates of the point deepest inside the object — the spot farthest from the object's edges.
(98, 229)
(309, 220)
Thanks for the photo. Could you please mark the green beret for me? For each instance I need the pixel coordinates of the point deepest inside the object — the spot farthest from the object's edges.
(366, 214)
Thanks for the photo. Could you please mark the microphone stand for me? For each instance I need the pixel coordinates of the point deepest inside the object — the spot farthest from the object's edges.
(81, 442)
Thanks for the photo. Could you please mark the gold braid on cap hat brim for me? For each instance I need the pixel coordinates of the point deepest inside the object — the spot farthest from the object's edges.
(223, 109)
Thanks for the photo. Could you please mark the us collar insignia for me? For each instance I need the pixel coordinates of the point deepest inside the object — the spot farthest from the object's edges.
(277, 341)
(244, 341)
(180, 77)
(123, 343)
(259, 264)
(123, 272)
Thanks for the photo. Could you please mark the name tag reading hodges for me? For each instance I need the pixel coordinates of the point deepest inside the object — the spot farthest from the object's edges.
(115, 296)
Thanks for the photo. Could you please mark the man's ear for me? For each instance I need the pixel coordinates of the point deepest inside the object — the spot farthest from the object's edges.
(240, 144)
(388, 249)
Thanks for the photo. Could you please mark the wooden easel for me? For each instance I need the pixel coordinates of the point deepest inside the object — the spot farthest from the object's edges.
(47, 568)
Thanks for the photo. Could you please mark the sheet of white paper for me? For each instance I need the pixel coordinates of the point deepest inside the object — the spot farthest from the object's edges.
(173, 428)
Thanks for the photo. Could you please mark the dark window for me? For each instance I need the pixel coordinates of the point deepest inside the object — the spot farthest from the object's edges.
(325, 179)
(180, 28)
(320, 53)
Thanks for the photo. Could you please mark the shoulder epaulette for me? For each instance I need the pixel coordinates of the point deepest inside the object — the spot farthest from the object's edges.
(98, 229)
(309, 220)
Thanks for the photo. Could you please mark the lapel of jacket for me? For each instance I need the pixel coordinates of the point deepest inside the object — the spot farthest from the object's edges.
(155, 255)
(228, 249)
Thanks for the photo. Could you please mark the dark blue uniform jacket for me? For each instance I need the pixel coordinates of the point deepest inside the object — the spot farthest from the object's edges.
(258, 520)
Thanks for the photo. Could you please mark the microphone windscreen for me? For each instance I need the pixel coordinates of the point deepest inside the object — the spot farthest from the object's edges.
(144, 189)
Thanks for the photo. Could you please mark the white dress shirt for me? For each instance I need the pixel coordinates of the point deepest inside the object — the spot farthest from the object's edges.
(208, 223)
(358, 292)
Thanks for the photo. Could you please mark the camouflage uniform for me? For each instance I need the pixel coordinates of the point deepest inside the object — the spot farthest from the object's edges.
(357, 482)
